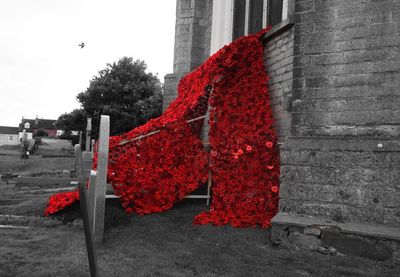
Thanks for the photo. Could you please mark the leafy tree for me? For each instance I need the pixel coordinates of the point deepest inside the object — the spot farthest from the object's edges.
(124, 91)
(41, 133)
(73, 121)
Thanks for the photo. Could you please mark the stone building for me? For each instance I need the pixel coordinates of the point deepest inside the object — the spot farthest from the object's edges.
(334, 70)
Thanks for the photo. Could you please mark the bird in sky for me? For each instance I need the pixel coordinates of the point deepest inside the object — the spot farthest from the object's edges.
(81, 45)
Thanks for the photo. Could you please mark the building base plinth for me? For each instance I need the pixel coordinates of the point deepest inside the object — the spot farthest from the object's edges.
(329, 237)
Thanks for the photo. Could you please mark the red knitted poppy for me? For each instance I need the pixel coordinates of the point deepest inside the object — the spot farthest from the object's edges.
(151, 173)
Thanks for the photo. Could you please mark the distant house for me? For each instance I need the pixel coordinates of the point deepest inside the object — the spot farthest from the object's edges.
(8, 135)
(31, 126)
(61, 132)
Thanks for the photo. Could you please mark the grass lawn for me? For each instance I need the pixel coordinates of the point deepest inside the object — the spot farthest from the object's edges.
(165, 244)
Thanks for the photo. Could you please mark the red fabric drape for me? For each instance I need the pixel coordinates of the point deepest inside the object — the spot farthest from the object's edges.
(152, 173)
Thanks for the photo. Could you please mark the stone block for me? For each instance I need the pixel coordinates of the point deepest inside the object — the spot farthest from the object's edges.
(392, 216)
(295, 229)
(372, 213)
(331, 159)
(371, 159)
(323, 193)
(388, 197)
(293, 174)
(305, 241)
(329, 210)
(66, 174)
(313, 230)
(304, 6)
(294, 157)
(388, 41)
(356, 245)
(366, 176)
(396, 16)
(394, 179)
(292, 206)
(351, 195)
(296, 191)
(279, 234)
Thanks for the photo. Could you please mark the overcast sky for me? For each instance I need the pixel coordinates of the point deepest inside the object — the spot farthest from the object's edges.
(42, 68)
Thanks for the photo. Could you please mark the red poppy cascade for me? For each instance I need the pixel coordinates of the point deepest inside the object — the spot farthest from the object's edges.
(153, 173)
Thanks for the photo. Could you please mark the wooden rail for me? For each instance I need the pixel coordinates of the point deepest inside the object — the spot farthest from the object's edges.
(156, 131)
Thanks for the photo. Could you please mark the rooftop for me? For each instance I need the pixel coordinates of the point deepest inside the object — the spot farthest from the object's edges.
(37, 123)
(8, 130)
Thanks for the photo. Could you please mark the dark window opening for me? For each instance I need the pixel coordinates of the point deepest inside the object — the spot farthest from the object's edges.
(239, 17)
(249, 15)
(256, 16)
(274, 12)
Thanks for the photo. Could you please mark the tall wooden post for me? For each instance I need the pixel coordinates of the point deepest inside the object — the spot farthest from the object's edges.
(101, 180)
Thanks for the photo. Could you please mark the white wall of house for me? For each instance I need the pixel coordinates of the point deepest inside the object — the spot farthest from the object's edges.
(60, 132)
(9, 139)
(20, 135)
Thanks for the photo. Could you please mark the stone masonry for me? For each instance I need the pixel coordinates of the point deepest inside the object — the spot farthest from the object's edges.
(192, 42)
(334, 70)
(278, 59)
(342, 158)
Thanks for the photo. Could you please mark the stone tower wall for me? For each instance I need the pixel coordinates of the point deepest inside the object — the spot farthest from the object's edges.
(342, 157)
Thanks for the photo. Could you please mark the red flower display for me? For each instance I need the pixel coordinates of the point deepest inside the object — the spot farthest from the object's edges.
(241, 118)
(274, 189)
(269, 144)
(152, 173)
(59, 201)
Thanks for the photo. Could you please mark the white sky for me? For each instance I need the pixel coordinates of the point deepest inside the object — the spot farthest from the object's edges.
(42, 68)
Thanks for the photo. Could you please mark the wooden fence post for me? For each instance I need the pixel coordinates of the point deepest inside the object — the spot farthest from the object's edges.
(101, 180)
(90, 246)
(88, 228)
(88, 133)
(91, 195)
(78, 160)
(92, 147)
(80, 138)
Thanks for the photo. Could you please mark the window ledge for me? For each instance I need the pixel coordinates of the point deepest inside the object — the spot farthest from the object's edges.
(278, 29)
